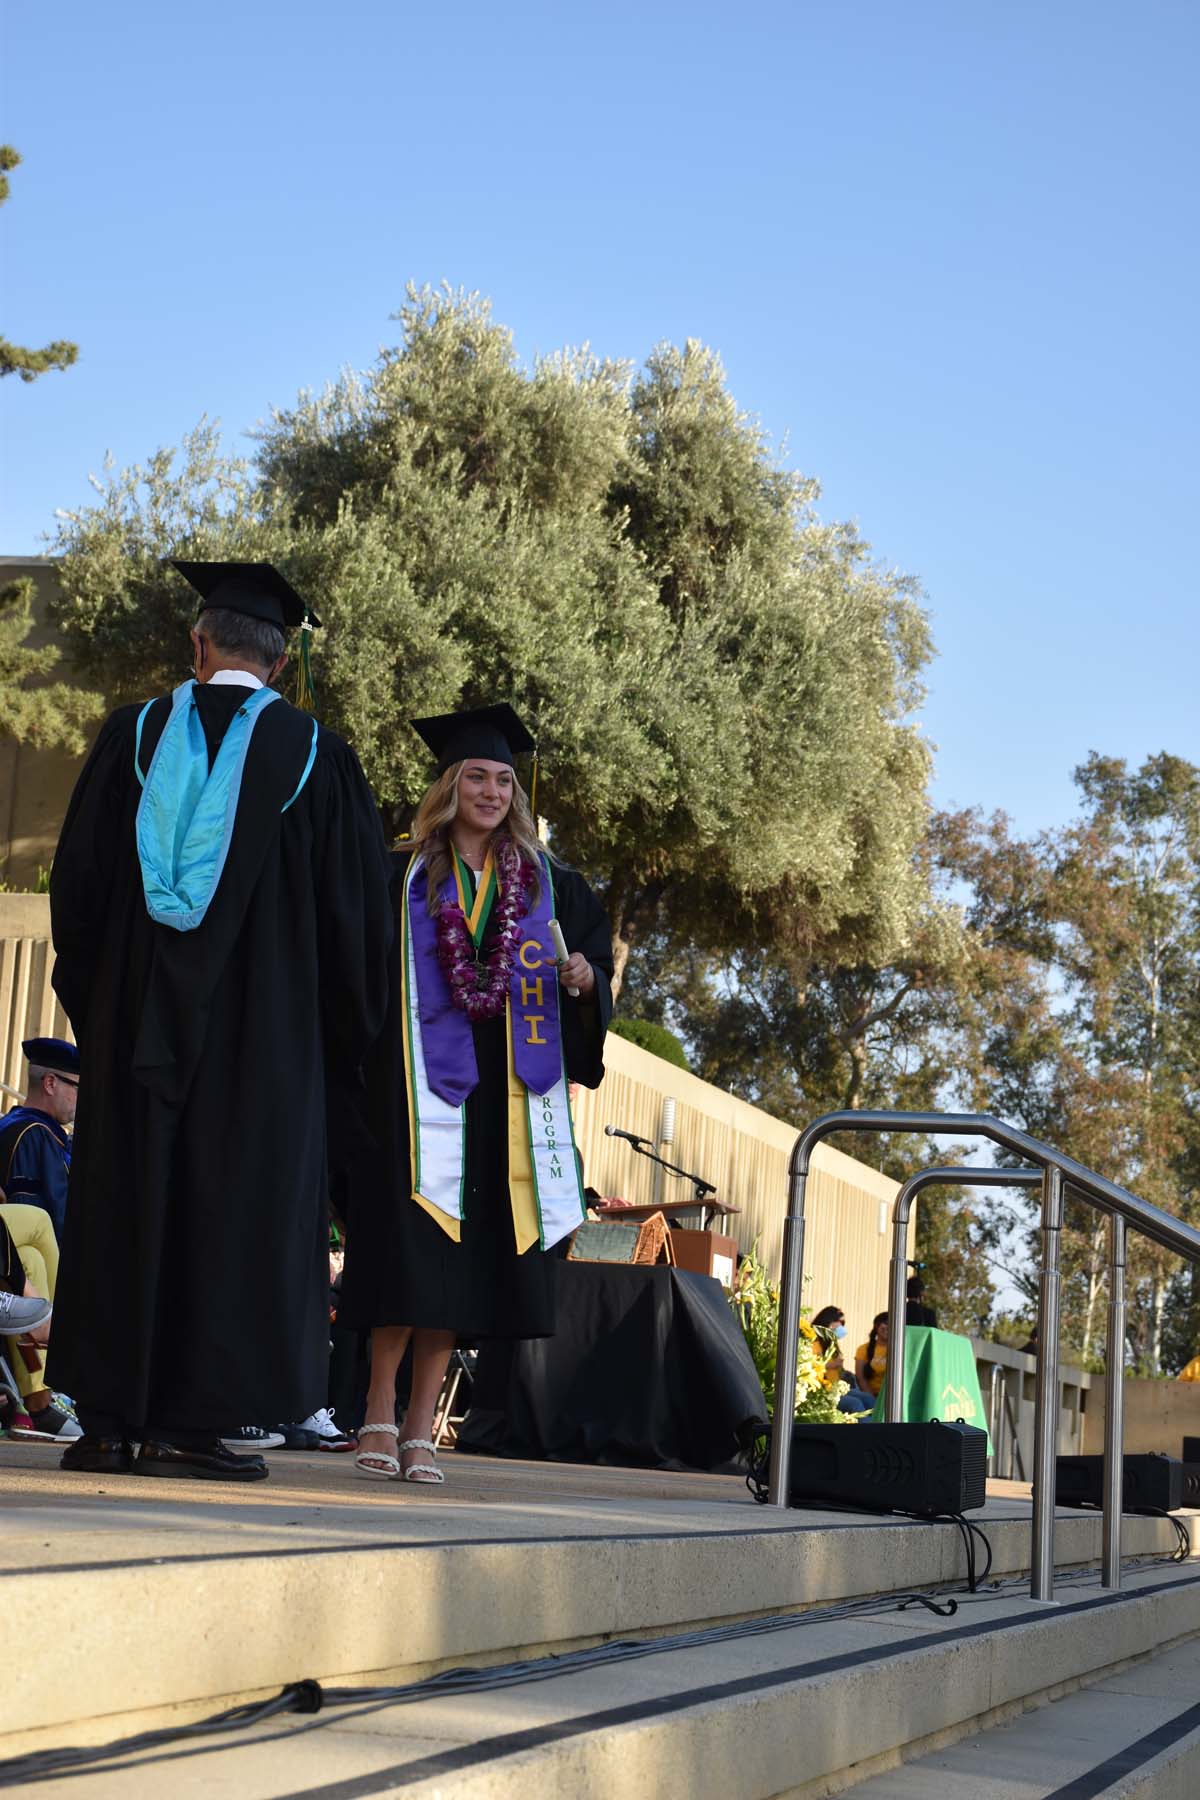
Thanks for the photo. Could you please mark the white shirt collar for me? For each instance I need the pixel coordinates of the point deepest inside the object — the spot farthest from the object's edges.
(234, 678)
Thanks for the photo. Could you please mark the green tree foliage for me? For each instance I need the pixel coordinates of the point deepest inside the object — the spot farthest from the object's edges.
(46, 714)
(954, 1239)
(655, 1038)
(15, 359)
(722, 683)
(801, 1033)
(1129, 878)
(1103, 1061)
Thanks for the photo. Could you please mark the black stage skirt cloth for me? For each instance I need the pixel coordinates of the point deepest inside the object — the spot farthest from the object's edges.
(648, 1369)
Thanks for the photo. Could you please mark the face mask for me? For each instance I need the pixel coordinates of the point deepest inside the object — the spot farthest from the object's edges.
(839, 1331)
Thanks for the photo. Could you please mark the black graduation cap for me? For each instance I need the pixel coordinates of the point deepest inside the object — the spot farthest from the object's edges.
(52, 1054)
(494, 732)
(256, 589)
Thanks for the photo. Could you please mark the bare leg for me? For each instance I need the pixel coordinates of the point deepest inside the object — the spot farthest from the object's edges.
(388, 1344)
(431, 1353)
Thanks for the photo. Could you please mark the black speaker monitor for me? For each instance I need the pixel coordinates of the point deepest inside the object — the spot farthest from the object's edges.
(939, 1467)
(1149, 1483)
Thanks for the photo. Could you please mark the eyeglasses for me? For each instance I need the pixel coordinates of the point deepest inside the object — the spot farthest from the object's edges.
(69, 1079)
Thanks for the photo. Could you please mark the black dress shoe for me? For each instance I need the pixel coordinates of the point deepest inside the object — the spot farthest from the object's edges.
(213, 1463)
(89, 1455)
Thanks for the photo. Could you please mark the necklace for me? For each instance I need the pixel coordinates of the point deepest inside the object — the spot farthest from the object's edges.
(475, 860)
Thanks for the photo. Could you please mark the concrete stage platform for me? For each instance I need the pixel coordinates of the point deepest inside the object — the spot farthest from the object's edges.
(134, 1604)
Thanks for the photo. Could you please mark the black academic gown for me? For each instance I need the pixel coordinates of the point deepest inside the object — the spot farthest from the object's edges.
(401, 1267)
(193, 1287)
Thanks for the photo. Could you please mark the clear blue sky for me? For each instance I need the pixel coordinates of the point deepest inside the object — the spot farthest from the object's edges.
(947, 250)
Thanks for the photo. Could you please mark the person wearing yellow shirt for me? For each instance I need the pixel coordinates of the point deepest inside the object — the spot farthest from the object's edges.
(870, 1359)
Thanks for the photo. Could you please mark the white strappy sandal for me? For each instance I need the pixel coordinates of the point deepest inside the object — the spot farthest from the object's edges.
(426, 1473)
(377, 1463)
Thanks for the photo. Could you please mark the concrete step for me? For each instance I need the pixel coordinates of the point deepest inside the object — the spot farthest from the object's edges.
(1134, 1736)
(139, 1596)
(804, 1710)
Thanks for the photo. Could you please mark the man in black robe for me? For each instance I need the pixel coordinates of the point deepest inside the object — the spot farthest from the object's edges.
(221, 921)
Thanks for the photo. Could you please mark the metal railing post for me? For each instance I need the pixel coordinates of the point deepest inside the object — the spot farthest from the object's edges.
(1114, 1405)
(947, 1176)
(893, 1390)
(1045, 1439)
(788, 1347)
(1059, 1171)
(995, 1417)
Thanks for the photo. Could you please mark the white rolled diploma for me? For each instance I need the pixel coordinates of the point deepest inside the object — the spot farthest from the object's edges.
(560, 950)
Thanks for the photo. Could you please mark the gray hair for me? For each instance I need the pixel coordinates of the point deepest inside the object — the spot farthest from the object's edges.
(38, 1074)
(236, 634)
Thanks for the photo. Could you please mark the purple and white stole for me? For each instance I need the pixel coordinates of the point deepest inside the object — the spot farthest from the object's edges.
(439, 1054)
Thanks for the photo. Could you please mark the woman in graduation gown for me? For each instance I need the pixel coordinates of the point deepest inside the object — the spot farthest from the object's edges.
(473, 1177)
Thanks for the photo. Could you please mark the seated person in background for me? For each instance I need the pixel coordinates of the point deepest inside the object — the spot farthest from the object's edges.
(22, 1312)
(29, 1265)
(830, 1326)
(915, 1310)
(35, 1151)
(870, 1359)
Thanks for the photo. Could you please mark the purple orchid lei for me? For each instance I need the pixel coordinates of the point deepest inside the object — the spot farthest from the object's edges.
(477, 988)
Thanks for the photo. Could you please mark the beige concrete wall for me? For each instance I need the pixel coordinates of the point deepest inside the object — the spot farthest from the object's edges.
(1158, 1416)
(35, 785)
(744, 1153)
(28, 1007)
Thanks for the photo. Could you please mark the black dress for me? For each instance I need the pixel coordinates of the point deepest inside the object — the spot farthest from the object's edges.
(193, 1291)
(401, 1267)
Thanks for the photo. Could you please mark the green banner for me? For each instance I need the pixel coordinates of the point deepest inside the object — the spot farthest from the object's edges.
(940, 1381)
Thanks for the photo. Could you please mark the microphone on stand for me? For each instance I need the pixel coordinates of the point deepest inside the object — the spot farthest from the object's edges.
(629, 1136)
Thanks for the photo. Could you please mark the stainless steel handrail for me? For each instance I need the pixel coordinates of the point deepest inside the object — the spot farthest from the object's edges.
(1059, 1171)
(942, 1176)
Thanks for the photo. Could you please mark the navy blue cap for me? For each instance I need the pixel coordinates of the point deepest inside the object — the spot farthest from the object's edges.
(52, 1054)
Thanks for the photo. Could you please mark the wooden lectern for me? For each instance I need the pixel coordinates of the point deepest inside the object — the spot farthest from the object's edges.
(705, 1253)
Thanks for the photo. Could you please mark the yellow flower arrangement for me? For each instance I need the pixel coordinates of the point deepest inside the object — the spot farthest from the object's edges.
(756, 1304)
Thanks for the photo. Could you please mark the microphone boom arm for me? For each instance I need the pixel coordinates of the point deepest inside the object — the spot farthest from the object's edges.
(703, 1188)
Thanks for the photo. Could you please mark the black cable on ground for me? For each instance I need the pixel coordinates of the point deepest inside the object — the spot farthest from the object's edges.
(309, 1696)
(757, 1482)
(1183, 1548)
(39, 1765)
(971, 1533)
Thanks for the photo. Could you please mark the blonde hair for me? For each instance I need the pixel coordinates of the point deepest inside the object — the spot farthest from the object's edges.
(436, 814)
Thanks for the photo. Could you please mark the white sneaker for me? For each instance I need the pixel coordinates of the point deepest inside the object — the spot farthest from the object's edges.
(319, 1432)
(253, 1437)
(20, 1313)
